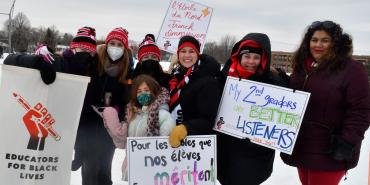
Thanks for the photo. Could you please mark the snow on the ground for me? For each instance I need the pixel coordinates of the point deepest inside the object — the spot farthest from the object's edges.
(282, 173)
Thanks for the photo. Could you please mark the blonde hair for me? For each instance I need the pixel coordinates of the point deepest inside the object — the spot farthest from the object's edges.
(125, 63)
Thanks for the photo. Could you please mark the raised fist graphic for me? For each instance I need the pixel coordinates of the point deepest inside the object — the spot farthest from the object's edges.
(38, 122)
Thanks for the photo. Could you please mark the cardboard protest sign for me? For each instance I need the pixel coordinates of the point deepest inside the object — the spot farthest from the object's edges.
(38, 126)
(266, 114)
(184, 17)
(151, 160)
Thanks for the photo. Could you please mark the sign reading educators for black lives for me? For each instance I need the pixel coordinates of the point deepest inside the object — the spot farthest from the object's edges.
(38, 126)
(268, 115)
(152, 161)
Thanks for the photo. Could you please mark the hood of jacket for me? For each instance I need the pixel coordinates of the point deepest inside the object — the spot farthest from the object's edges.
(254, 40)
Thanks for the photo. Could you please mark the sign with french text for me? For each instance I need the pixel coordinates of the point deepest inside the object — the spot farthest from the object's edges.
(184, 17)
(268, 115)
(152, 161)
(38, 126)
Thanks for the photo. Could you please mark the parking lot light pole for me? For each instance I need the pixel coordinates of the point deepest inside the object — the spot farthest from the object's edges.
(10, 14)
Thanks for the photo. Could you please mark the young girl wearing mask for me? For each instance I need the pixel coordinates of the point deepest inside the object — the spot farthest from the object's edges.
(140, 119)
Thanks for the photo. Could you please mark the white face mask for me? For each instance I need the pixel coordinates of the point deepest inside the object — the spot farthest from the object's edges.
(115, 52)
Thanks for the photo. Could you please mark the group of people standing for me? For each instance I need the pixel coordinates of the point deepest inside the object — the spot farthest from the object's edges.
(124, 102)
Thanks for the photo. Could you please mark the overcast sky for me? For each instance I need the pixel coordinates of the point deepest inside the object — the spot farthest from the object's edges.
(284, 21)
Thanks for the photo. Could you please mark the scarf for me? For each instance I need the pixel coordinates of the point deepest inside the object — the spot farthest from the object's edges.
(153, 113)
(236, 70)
(112, 69)
(311, 65)
(181, 77)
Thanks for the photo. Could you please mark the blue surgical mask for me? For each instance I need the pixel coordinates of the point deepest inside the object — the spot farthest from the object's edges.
(144, 99)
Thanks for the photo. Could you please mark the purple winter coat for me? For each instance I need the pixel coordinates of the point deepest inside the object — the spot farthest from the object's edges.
(339, 104)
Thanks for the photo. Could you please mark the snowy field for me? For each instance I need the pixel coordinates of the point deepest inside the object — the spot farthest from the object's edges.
(282, 174)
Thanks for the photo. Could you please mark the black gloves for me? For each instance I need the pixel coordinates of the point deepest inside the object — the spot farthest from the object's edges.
(283, 75)
(47, 71)
(340, 149)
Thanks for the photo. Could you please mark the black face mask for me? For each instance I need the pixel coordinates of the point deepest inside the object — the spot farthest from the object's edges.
(83, 57)
(149, 67)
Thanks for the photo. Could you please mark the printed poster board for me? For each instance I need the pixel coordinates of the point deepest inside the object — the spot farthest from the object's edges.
(38, 126)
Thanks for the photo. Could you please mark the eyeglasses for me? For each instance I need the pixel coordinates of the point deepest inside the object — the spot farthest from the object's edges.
(326, 24)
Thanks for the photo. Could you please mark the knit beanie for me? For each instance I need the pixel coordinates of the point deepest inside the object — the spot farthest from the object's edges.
(188, 41)
(249, 49)
(85, 39)
(120, 34)
(148, 47)
(150, 36)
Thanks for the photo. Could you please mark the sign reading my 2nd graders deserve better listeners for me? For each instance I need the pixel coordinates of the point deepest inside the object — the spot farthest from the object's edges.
(268, 115)
(152, 161)
(184, 17)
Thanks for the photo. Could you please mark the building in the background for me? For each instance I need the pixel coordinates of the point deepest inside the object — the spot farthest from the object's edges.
(283, 60)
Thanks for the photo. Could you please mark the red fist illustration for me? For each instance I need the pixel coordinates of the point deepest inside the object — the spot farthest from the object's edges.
(38, 123)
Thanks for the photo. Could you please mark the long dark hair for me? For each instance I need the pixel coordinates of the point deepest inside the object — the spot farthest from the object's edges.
(340, 52)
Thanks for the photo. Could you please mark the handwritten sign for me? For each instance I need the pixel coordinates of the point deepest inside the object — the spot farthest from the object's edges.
(266, 114)
(184, 17)
(38, 126)
(152, 161)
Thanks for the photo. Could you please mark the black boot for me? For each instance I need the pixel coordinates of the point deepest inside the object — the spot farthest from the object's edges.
(77, 161)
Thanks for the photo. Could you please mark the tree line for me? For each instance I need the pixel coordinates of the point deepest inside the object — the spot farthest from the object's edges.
(25, 38)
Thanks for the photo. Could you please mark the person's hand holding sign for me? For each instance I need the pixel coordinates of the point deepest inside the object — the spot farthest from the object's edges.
(177, 135)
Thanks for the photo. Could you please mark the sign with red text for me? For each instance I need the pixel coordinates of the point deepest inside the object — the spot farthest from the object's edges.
(38, 126)
(152, 161)
(184, 17)
(268, 115)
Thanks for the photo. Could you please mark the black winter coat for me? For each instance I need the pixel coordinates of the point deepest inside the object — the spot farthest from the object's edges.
(200, 98)
(241, 162)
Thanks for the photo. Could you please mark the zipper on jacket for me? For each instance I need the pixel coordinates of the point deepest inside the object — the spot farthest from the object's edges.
(308, 75)
(305, 80)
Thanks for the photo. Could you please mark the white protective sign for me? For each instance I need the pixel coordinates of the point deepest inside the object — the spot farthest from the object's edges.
(268, 115)
(38, 126)
(184, 17)
(152, 161)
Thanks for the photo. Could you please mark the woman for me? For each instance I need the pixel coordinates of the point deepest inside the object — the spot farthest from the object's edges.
(337, 115)
(240, 161)
(149, 57)
(76, 60)
(194, 92)
(110, 78)
(141, 119)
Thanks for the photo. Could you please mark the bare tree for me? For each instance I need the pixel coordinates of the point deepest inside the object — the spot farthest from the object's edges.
(226, 45)
(51, 37)
(25, 38)
(20, 32)
(211, 48)
(36, 35)
(66, 39)
(3, 36)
